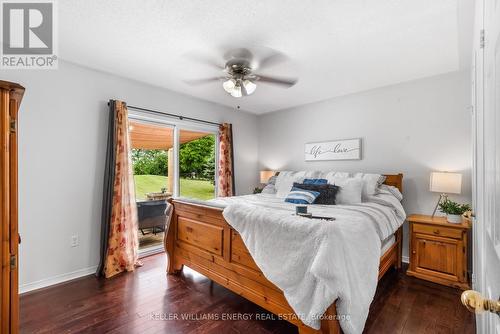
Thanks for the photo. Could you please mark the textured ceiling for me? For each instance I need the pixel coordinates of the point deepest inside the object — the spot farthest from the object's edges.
(335, 47)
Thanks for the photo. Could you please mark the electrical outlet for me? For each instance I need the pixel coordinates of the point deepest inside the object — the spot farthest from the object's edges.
(74, 241)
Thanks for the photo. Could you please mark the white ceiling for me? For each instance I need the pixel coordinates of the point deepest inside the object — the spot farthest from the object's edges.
(336, 47)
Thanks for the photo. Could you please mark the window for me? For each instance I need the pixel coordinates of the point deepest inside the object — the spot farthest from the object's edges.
(169, 159)
(197, 164)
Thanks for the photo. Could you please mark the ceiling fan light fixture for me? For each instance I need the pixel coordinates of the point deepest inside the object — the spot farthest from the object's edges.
(238, 78)
(233, 87)
(249, 86)
(236, 91)
(228, 85)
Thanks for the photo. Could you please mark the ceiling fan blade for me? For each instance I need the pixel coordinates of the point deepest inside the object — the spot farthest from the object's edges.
(205, 60)
(277, 81)
(238, 53)
(196, 82)
(271, 60)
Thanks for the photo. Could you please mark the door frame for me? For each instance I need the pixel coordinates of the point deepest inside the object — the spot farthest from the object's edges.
(478, 280)
(486, 253)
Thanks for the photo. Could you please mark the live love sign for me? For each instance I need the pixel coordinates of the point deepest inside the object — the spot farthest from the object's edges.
(346, 149)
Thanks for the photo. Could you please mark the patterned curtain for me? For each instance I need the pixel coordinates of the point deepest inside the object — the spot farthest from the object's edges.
(226, 164)
(120, 222)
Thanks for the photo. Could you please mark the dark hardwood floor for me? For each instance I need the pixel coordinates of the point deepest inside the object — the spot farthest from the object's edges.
(149, 302)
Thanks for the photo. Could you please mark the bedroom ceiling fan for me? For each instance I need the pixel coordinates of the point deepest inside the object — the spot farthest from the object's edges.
(239, 78)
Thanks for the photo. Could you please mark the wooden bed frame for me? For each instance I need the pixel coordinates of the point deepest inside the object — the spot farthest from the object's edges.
(199, 237)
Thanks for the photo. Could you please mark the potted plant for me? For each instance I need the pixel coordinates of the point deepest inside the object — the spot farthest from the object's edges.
(453, 210)
(257, 190)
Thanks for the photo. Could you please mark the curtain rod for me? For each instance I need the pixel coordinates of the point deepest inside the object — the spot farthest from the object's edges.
(173, 115)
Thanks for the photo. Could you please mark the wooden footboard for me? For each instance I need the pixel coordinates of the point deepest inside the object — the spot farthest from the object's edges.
(199, 237)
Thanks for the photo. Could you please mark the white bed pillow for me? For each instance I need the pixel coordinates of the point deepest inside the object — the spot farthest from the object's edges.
(391, 190)
(350, 191)
(285, 180)
(331, 176)
(371, 182)
(309, 174)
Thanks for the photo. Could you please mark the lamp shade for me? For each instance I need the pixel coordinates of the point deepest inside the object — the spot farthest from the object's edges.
(265, 175)
(446, 183)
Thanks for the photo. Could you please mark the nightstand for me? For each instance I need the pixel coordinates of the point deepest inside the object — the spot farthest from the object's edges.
(439, 250)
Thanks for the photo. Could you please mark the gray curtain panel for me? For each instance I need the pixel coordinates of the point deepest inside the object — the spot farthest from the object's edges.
(109, 177)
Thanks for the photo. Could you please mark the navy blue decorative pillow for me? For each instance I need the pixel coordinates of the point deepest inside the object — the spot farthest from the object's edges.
(301, 196)
(315, 181)
(327, 192)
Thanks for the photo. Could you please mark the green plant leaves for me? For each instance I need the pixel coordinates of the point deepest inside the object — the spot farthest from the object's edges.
(453, 208)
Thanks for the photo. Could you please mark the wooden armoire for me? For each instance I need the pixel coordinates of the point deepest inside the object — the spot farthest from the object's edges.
(10, 99)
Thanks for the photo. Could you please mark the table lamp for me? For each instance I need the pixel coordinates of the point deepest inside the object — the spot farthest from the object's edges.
(445, 183)
(265, 175)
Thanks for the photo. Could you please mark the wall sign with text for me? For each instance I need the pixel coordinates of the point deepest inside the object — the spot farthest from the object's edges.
(346, 149)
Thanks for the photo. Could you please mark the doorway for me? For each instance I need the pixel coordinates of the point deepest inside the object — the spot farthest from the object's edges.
(169, 159)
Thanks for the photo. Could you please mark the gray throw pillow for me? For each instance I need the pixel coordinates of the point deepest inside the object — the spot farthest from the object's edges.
(272, 180)
(269, 189)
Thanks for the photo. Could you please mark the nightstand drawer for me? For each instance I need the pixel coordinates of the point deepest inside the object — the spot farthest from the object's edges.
(438, 231)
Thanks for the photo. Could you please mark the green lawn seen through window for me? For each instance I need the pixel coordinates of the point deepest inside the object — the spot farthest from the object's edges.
(199, 189)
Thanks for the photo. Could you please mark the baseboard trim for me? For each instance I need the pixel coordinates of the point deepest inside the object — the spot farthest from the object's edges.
(46, 282)
(151, 251)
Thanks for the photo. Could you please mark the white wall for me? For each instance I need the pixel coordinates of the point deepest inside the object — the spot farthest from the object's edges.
(62, 143)
(412, 128)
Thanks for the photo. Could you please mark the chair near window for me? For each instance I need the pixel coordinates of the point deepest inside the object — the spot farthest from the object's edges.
(152, 216)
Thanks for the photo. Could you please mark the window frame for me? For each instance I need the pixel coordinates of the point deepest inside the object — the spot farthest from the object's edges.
(177, 126)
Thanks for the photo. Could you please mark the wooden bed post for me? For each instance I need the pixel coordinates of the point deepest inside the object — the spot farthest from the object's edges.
(399, 241)
(169, 243)
(331, 325)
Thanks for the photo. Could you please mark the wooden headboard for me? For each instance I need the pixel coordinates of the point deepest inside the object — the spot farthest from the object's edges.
(395, 180)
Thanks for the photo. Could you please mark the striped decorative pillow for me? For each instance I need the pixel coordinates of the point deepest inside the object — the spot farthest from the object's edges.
(327, 192)
(301, 196)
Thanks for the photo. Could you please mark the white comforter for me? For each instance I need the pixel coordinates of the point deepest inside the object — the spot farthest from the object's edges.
(315, 262)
